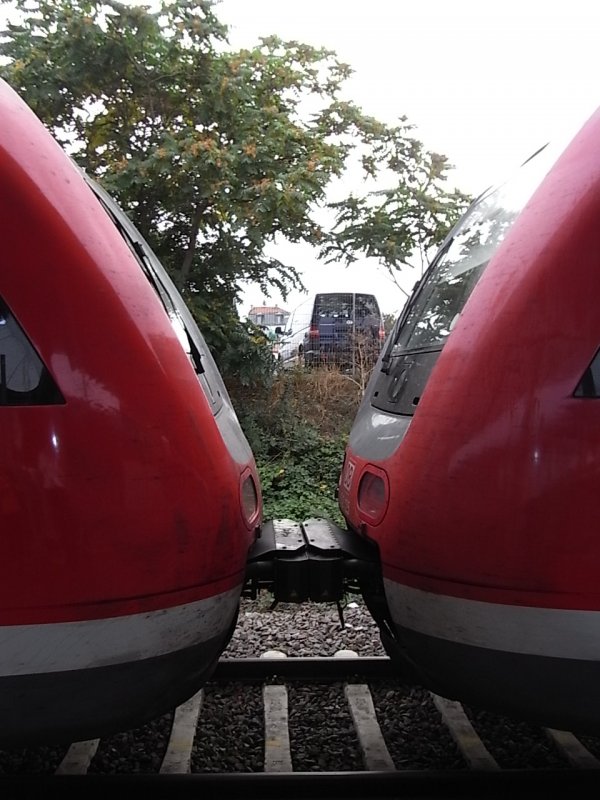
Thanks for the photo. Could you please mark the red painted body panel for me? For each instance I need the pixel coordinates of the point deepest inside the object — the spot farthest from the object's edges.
(125, 498)
(495, 486)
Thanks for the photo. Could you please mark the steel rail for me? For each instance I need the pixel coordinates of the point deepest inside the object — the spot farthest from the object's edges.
(303, 668)
(432, 785)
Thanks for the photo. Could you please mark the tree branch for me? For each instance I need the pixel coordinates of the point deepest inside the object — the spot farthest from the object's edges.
(190, 251)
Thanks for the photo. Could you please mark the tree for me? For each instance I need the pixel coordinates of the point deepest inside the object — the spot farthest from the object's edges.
(212, 153)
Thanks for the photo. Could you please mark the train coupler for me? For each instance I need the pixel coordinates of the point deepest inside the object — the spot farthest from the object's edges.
(314, 560)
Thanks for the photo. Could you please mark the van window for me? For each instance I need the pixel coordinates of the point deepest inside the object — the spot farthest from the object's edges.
(347, 314)
(346, 306)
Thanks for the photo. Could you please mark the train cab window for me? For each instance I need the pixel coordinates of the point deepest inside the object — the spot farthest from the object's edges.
(24, 379)
(441, 296)
(589, 385)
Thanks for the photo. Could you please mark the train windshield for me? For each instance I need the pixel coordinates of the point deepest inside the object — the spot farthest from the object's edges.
(436, 306)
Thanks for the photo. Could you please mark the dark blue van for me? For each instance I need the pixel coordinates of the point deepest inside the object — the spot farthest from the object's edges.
(344, 327)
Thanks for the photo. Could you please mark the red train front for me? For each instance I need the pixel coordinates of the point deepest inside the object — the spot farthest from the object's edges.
(128, 494)
(474, 460)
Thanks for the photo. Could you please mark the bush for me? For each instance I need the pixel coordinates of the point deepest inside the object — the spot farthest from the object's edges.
(298, 429)
(302, 482)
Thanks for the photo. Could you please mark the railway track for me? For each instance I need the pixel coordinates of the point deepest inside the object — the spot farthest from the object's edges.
(461, 762)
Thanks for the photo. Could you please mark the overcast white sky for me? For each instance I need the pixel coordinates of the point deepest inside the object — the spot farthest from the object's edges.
(485, 83)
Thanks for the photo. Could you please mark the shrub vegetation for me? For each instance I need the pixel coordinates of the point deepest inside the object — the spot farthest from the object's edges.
(298, 429)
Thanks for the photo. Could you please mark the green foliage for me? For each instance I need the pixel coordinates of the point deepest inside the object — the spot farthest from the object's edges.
(298, 431)
(302, 481)
(393, 224)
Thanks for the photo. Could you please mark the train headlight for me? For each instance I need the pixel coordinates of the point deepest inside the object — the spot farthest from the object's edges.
(249, 498)
(373, 495)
